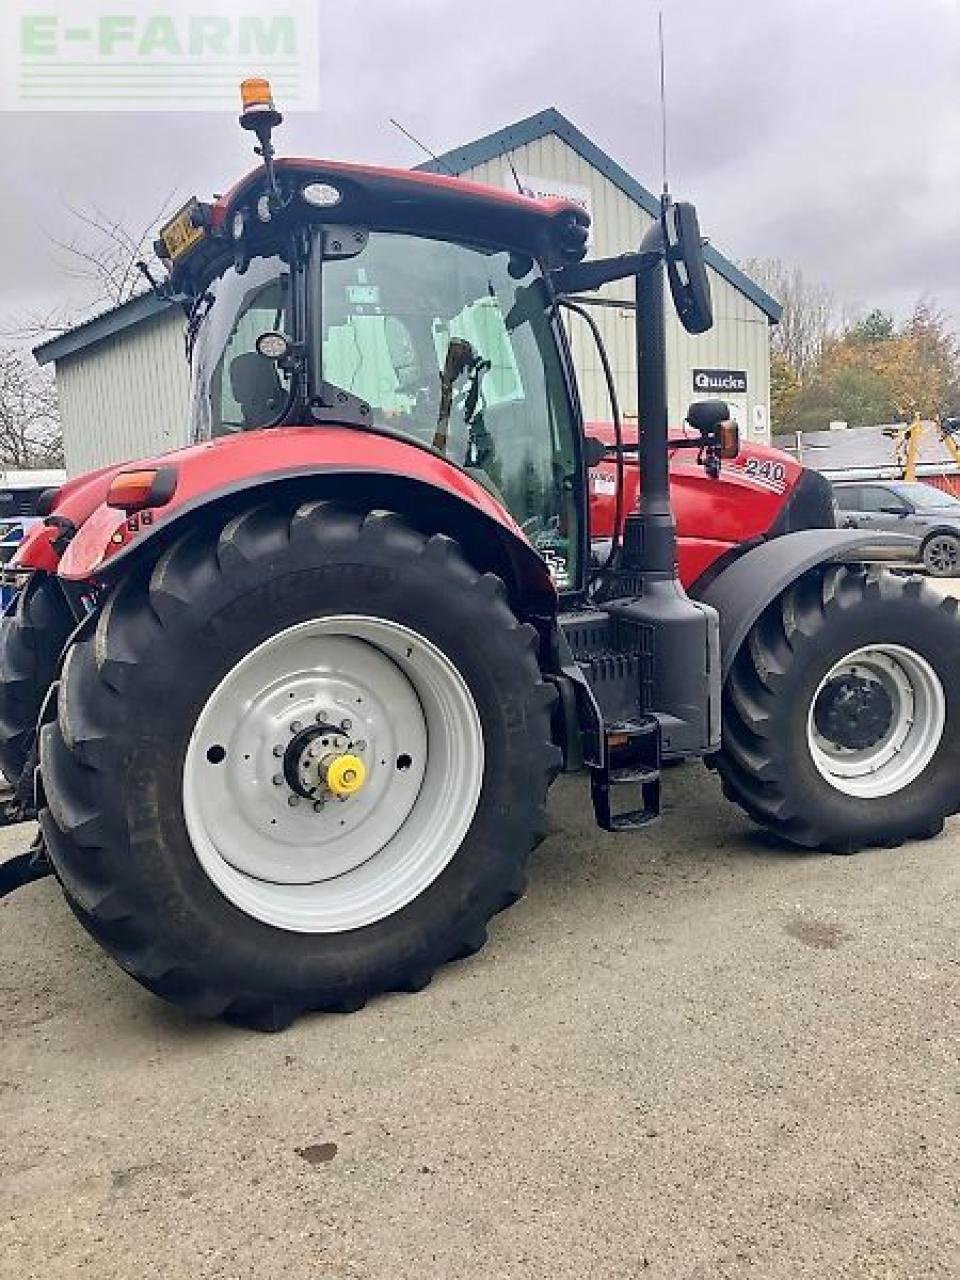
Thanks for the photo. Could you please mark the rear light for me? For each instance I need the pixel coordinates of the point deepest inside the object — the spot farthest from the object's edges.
(138, 490)
(729, 440)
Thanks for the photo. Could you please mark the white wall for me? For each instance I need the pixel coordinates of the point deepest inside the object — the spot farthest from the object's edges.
(125, 397)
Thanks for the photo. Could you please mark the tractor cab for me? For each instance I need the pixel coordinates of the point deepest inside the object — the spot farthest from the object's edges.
(423, 308)
(444, 341)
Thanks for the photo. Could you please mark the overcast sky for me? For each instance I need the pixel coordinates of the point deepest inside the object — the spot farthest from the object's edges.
(822, 132)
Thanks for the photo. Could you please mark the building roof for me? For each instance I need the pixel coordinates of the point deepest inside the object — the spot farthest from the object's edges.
(107, 324)
(458, 161)
(868, 453)
(551, 121)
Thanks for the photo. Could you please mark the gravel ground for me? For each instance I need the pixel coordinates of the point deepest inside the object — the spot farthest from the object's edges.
(687, 1053)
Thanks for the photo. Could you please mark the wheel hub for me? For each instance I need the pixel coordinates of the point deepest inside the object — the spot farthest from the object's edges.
(876, 720)
(853, 711)
(322, 761)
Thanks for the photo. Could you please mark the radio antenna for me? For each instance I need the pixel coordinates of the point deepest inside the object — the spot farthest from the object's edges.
(516, 177)
(423, 147)
(663, 105)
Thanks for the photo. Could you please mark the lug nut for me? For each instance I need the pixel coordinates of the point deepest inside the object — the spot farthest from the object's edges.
(293, 801)
(278, 751)
(321, 716)
(318, 806)
(296, 727)
(346, 725)
(278, 779)
(360, 745)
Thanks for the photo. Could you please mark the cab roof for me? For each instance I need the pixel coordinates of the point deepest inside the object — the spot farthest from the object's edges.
(405, 200)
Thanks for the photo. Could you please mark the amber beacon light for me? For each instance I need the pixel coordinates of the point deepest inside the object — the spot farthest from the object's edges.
(259, 110)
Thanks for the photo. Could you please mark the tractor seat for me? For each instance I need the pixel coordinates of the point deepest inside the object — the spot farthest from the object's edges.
(256, 388)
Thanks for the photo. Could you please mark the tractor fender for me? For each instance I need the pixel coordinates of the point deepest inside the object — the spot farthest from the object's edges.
(742, 591)
(490, 543)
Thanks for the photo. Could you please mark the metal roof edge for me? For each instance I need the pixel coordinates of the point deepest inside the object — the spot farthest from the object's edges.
(105, 325)
(550, 120)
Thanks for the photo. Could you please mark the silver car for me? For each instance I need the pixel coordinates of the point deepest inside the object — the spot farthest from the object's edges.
(902, 506)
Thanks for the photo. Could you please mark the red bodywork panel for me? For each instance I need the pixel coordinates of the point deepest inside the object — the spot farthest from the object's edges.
(232, 460)
(712, 515)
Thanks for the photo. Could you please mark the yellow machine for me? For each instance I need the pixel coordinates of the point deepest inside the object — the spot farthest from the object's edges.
(907, 441)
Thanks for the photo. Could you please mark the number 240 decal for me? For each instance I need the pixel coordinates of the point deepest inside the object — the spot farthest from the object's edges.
(765, 470)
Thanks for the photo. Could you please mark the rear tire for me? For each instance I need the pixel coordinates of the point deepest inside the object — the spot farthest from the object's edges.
(941, 555)
(135, 843)
(32, 637)
(779, 760)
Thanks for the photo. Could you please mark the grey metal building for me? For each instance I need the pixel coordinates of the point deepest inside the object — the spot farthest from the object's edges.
(122, 378)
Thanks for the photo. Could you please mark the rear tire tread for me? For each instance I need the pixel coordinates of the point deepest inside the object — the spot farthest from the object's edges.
(83, 848)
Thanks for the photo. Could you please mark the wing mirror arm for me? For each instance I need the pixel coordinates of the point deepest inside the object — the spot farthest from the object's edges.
(587, 277)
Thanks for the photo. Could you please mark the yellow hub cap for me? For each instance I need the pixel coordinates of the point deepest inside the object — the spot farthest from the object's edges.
(346, 775)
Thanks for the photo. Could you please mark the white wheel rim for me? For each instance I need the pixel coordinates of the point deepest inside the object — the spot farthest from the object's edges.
(326, 866)
(905, 747)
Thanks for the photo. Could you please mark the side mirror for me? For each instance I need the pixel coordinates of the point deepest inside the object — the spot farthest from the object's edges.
(705, 416)
(594, 451)
(686, 267)
(719, 433)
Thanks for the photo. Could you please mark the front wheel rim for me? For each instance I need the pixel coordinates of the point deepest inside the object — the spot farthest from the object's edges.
(943, 555)
(264, 824)
(904, 746)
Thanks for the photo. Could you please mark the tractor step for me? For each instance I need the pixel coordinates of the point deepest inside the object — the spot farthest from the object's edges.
(631, 760)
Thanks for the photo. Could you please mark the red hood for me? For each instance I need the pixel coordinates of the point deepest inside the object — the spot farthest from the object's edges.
(712, 516)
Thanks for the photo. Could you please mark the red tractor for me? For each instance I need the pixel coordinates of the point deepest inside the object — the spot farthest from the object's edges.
(289, 701)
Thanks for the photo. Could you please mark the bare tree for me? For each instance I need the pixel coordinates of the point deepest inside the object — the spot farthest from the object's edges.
(29, 421)
(104, 253)
(809, 313)
(101, 255)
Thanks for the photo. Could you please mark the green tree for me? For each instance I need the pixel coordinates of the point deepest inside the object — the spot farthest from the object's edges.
(878, 326)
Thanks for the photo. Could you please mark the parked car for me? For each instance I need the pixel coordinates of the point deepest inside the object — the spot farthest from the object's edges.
(19, 494)
(906, 507)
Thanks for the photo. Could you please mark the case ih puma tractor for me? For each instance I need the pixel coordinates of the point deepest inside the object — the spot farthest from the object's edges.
(302, 687)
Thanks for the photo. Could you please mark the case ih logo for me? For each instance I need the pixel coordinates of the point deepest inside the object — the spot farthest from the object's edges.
(710, 380)
(176, 55)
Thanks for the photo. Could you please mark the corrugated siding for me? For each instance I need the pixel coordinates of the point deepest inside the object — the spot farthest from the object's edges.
(125, 398)
(948, 484)
(740, 338)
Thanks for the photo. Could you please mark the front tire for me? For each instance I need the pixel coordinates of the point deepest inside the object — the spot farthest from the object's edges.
(192, 820)
(841, 713)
